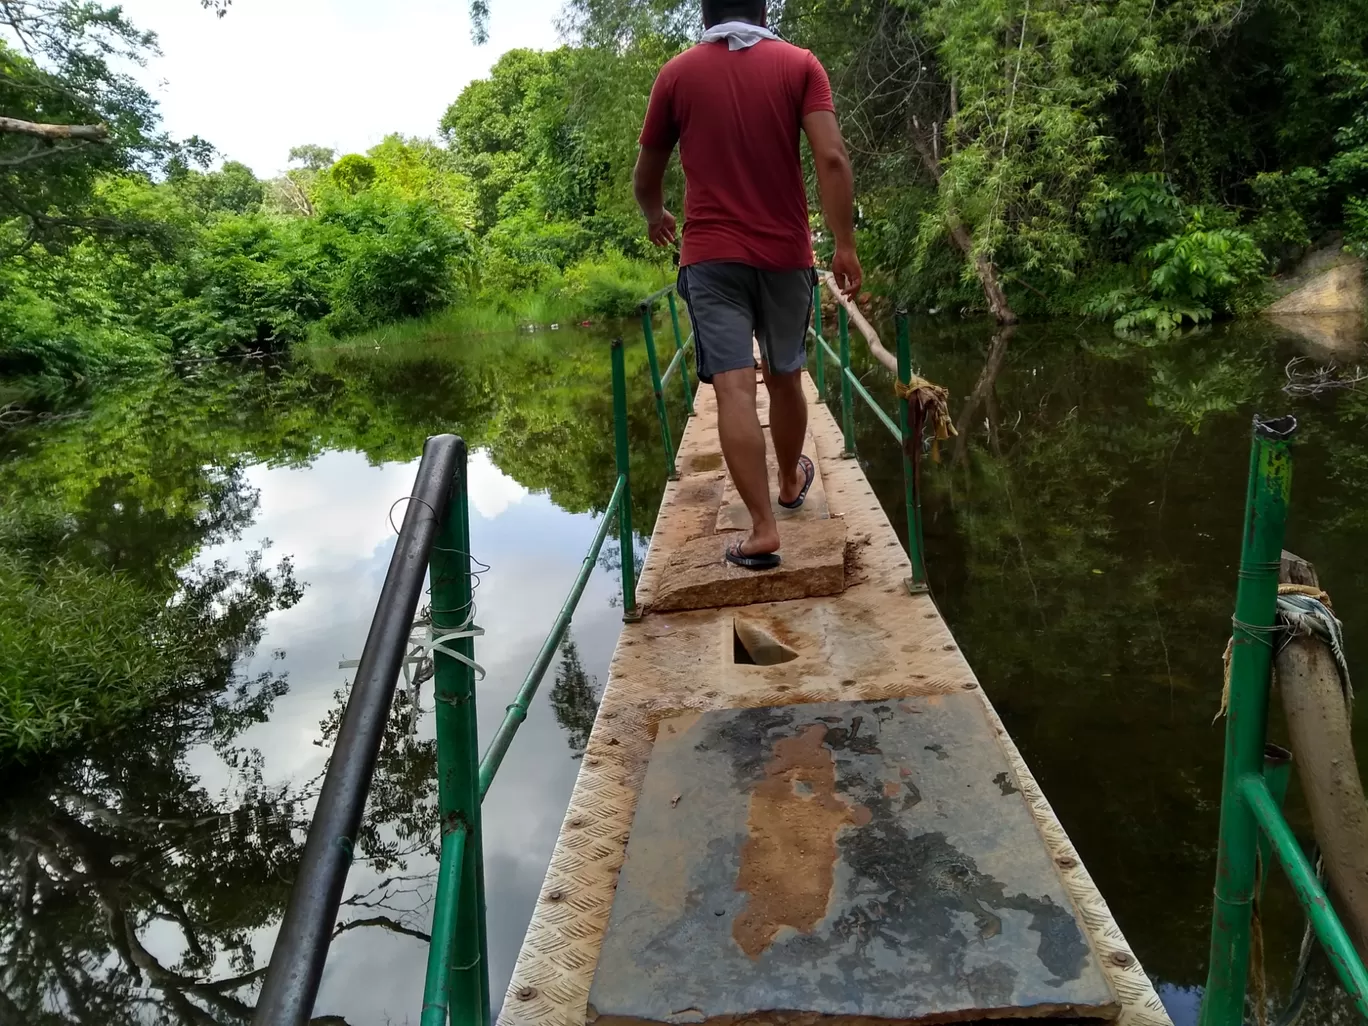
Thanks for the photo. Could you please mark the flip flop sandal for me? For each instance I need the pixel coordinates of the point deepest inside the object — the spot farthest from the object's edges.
(759, 561)
(811, 473)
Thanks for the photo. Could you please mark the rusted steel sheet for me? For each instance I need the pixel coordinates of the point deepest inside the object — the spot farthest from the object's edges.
(857, 860)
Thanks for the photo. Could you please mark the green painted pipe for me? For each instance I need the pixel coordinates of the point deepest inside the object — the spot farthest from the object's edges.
(648, 331)
(908, 438)
(1277, 773)
(680, 348)
(516, 713)
(1333, 937)
(457, 745)
(437, 987)
(819, 370)
(674, 366)
(863, 393)
(663, 291)
(1247, 718)
(624, 469)
(847, 414)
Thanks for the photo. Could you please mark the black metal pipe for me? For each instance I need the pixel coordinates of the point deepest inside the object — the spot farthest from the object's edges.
(301, 947)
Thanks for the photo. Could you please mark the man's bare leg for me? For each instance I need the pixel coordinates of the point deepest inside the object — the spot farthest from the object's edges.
(788, 428)
(743, 447)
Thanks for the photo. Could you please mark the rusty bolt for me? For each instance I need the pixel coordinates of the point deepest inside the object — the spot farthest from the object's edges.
(555, 895)
(593, 760)
(610, 715)
(928, 616)
(1067, 861)
(1122, 958)
(949, 646)
(968, 685)
(577, 822)
(526, 993)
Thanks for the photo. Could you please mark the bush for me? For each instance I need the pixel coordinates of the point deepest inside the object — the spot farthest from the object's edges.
(56, 330)
(610, 285)
(1193, 275)
(1290, 207)
(386, 257)
(1356, 225)
(250, 280)
(1133, 214)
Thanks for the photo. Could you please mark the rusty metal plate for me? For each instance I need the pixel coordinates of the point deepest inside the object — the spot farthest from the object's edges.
(851, 860)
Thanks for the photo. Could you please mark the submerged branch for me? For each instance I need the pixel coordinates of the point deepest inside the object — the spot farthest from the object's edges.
(1325, 378)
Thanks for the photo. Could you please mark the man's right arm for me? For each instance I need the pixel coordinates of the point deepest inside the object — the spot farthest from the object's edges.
(659, 133)
(836, 183)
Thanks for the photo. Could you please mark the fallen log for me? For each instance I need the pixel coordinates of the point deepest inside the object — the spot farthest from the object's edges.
(1318, 724)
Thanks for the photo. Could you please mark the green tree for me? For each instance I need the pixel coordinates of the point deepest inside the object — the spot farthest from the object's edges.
(68, 114)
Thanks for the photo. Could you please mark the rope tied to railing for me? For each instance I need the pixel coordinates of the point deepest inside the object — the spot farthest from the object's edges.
(1303, 611)
(933, 403)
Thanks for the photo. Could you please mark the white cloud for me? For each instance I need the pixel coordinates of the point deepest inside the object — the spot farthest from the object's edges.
(491, 490)
(342, 73)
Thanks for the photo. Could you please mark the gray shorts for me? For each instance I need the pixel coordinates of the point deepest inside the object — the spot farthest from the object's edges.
(731, 302)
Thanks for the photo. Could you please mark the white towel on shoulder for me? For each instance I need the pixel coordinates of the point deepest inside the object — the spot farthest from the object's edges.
(738, 34)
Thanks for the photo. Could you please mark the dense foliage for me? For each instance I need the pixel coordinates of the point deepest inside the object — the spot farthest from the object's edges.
(106, 606)
(1151, 162)
(120, 247)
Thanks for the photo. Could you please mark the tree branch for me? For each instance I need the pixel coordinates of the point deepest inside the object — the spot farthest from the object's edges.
(88, 133)
(41, 151)
(876, 347)
(384, 922)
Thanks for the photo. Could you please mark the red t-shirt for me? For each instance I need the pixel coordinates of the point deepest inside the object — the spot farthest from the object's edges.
(736, 115)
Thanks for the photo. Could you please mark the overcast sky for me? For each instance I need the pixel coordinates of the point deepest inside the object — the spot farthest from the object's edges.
(342, 73)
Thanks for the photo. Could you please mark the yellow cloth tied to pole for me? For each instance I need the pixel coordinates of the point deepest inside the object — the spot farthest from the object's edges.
(934, 402)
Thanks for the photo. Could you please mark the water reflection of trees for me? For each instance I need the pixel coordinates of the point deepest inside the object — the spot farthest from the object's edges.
(121, 855)
(1083, 540)
(574, 697)
(131, 893)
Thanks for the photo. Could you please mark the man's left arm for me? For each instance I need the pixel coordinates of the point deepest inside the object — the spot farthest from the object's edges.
(648, 183)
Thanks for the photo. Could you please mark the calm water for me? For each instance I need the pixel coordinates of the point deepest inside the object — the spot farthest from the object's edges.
(1081, 542)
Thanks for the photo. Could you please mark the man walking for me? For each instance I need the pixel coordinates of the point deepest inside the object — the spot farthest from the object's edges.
(735, 104)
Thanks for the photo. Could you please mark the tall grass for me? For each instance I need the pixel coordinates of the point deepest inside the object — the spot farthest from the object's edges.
(604, 287)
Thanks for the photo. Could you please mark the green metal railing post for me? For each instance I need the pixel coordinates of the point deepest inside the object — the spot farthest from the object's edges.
(847, 414)
(1277, 774)
(458, 769)
(441, 949)
(679, 348)
(1256, 602)
(819, 358)
(909, 424)
(624, 469)
(647, 330)
(1311, 895)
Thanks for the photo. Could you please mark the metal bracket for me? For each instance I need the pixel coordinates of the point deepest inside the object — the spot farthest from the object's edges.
(913, 588)
(633, 617)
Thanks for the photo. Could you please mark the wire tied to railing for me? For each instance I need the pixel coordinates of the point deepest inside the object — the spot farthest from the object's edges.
(437, 643)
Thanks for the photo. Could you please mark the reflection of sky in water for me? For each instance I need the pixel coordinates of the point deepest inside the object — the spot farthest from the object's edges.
(1181, 1003)
(331, 518)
